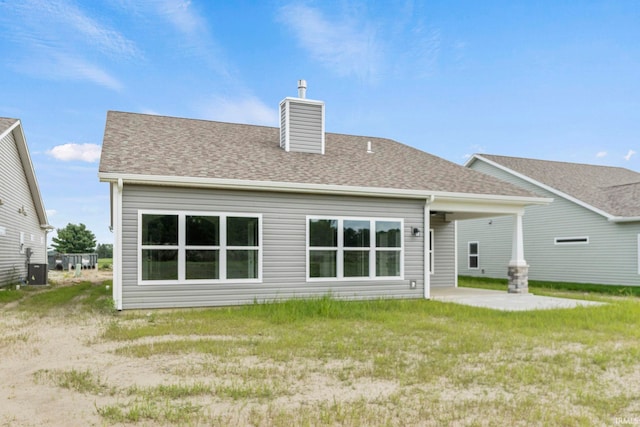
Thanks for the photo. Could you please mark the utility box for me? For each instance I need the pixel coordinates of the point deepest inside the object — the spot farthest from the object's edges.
(37, 274)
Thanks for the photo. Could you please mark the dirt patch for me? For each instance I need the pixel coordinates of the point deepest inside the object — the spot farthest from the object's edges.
(32, 344)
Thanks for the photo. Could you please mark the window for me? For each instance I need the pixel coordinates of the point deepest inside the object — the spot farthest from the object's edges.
(571, 240)
(344, 248)
(179, 247)
(474, 255)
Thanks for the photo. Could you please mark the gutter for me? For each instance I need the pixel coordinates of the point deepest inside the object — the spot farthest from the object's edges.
(278, 186)
(622, 219)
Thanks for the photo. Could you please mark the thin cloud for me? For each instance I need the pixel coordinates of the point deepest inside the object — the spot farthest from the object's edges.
(630, 154)
(82, 152)
(601, 154)
(61, 24)
(58, 39)
(192, 36)
(51, 212)
(181, 15)
(77, 68)
(346, 46)
(59, 66)
(247, 110)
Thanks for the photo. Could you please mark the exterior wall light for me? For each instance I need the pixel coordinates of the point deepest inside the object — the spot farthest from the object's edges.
(415, 232)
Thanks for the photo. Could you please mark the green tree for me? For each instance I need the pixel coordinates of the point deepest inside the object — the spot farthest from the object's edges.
(105, 250)
(74, 239)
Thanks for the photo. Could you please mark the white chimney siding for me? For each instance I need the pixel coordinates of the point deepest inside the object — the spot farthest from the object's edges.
(302, 123)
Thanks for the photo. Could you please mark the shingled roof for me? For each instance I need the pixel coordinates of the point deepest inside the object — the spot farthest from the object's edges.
(6, 123)
(150, 145)
(613, 190)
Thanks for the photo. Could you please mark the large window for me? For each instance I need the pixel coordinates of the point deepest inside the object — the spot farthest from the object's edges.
(352, 248)
(181, 247)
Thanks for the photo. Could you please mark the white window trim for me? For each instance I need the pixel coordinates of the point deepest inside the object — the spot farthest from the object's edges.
(469, 255)
(182, 247)
(340, 249)
(577, 240)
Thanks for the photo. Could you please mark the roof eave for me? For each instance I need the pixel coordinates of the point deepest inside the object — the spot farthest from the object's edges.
(619, 219)
(279, 186)
(27, 164)
(543, 186)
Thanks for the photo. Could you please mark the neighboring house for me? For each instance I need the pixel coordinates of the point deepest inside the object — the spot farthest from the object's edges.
(23, 219)
(590, 233)
(208, 213)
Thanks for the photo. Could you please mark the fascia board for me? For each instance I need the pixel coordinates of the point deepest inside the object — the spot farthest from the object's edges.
(10, 129)
(27, 164)
(440, 196)
(543, 186)
(619, 219)
(470, 161)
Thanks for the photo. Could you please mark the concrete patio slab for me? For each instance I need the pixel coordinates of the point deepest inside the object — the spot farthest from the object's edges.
(502, 300)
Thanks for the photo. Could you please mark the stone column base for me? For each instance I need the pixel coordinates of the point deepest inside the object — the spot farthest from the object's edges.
(518, 279)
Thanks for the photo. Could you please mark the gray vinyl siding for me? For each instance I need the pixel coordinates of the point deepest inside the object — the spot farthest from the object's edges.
(15, 193)
(305, 130)
(283, 125)
(444, 272)
(610, 257)
(494, 246)
(284, 246)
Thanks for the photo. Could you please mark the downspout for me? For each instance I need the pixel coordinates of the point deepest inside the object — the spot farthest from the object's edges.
(117, 247)
(427, 241)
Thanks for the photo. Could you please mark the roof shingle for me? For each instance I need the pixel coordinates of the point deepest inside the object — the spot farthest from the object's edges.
(613, 190)
(5, 123)
(168, 146)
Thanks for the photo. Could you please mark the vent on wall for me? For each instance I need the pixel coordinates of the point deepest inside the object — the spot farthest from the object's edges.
(302, 123)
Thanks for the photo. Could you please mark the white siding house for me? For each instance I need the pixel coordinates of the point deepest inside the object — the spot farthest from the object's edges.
(208, 213)
(23, 219)
(590, 233)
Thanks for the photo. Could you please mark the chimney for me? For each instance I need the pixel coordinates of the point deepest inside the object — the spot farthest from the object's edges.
(302, 123)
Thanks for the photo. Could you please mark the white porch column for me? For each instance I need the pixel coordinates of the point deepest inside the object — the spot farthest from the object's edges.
(518, 271)
(117, 242)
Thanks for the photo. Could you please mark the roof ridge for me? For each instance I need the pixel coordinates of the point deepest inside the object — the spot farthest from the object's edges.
(557, 162)
(191, 119)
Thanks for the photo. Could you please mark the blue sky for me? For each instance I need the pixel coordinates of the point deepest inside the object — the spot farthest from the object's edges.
(556, 80)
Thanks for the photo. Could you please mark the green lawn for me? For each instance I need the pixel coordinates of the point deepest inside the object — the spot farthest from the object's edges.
(382, 362)
(105, 263)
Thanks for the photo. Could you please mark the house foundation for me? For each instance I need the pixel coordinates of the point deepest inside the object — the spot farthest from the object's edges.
(518, 279)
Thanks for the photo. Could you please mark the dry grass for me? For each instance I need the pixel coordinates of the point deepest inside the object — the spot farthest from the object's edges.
(328, 362)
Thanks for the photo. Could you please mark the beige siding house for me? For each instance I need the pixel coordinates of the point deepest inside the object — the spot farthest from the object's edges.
(23, 219)
(590, 233)
(208, 213)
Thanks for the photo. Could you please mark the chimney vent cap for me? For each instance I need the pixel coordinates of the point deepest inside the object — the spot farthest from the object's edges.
(302, 89)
